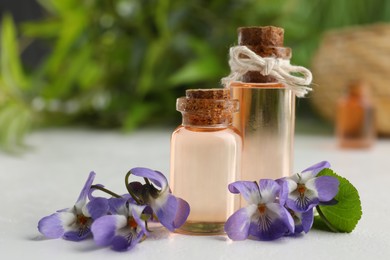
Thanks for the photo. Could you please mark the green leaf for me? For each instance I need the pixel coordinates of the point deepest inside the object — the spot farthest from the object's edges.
(138, 114)
(320, 224)
(68, 36)
(71, 73)
(15, 120)
(11, 68)
(155, 52)
(59, 7)
(345, 215)
(44, 29)
(206, 68)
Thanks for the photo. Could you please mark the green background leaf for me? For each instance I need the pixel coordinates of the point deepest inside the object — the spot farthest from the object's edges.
(139, 56)
(345, 215)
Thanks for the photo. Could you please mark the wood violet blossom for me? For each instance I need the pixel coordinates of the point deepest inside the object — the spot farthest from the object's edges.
(264, 218)
(303, 191)
(276, 208)
(124, 228)
(120, 221)
(303, 221)
(171, 211)
(74, 223)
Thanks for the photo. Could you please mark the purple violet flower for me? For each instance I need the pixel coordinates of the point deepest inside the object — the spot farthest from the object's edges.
(171, 211)
(125, 228)
(74, 223)
(303, 191)
(303, 221)
(264, 218)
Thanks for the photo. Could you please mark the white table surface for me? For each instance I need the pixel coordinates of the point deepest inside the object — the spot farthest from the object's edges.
(50, 174)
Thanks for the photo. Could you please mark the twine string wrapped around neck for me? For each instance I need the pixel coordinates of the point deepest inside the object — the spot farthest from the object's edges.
(242, 60)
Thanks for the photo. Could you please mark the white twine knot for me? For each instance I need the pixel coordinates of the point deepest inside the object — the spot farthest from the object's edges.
(242, 60)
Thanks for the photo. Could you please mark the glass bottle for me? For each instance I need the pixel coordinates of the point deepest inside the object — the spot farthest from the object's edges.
(266, 118)
(205, 158)
(355, 127)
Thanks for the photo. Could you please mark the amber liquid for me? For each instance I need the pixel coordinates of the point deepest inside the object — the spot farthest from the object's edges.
(203, 163)
(266, 120)
(355, 123)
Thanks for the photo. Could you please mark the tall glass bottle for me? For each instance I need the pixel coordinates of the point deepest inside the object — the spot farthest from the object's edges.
(205, 158)
(266, 118)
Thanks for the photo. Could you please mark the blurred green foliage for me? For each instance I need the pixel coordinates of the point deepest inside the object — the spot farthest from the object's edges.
(122, 63)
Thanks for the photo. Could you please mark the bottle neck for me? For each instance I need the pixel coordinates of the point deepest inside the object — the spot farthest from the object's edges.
(266, 41)
(257, 76)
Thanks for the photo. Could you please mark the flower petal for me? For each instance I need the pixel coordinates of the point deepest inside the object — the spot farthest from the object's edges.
(85, 191)
(166, 208)
(127, 242)
(155, 177)
(96, 208)
(316, 168)
(284, 190)
(121, 243)
(183, 210)
(77, 235)
(269, 190)
(248, 189)
(127, 236)
(53, 226)
(104, 228)
(274, 223)
(136, 212)
(303, 177)
(118, 206)
(326, 186)
(307, 219)
(297, 222)
(237, 225)
(303, 221)
(299, 203)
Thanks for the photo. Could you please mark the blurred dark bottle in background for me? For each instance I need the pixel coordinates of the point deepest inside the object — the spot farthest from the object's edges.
(355, 125)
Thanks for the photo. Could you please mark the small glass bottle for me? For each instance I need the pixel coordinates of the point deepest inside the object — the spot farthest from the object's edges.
(205, 158)
(266, 118)
(355, 126)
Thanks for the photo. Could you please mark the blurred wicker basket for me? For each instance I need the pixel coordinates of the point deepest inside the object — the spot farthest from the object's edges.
(358, 53)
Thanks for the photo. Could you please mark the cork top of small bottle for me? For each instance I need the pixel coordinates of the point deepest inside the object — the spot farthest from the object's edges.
(207, 107)
(266, 41)
(216, 93)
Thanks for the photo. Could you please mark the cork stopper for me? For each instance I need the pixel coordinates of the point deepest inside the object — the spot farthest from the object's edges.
(265, 41)
(207, 107)
(265, 36)
(208, 93)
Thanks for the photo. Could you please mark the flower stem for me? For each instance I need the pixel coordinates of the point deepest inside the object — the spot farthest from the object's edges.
(147, 181)
(326, 221)
(106, 191)
(132, 194)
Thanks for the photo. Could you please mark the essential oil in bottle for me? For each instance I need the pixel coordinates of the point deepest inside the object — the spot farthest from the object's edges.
(205, 158)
